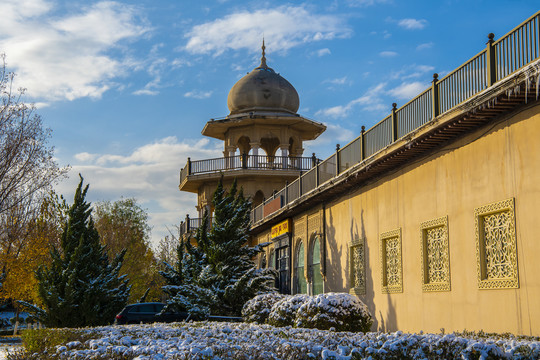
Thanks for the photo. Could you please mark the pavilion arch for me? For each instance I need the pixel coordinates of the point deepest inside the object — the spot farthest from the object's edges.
(243, 145)
(258, 198)
(295, 146)
(270, 144)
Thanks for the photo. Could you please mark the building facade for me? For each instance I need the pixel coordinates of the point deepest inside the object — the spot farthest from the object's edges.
(430, 216)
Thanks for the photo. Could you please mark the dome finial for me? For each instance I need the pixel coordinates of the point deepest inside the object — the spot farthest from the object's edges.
(263, 58)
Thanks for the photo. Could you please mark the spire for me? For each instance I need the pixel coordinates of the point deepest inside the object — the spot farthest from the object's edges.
(263, 58)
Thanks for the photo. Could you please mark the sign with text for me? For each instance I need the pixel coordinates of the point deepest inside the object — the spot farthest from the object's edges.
(281, 228)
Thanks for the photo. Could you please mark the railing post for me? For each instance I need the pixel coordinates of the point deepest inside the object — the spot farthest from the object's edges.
(491, 61)
(244, 161)
(317, 175)
(338, 165)
(188, 166)
(435, 96)
(362, 144)
(187, 223)
(286, 192)
(394, 123)
(300, 185)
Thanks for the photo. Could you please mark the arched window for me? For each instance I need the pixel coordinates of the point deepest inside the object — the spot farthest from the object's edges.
(300, 278)
(315, 267)
(258, 198)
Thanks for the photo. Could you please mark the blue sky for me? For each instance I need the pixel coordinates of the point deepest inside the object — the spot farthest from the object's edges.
(126, 87)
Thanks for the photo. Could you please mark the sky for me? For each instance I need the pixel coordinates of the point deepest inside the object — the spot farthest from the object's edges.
(127, 86)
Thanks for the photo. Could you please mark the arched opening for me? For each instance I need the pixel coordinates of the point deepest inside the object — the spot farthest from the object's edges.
(258, 198)
(270, 146)
(243, 145)
(299, 277)
(314, 258)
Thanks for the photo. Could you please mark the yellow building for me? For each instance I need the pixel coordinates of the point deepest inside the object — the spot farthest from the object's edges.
(430, 216)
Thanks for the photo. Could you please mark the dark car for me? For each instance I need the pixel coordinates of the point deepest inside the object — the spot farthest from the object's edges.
(147, 313)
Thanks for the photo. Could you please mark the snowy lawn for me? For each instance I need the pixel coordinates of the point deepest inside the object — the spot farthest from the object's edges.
(210, 340)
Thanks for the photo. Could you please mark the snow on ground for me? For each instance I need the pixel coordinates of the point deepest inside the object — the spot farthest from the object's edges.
(4, 349)
(208, 340)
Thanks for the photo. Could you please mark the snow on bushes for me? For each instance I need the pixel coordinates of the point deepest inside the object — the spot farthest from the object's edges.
(341, 311)
(208, 340)
(283, 312)
(257, 309)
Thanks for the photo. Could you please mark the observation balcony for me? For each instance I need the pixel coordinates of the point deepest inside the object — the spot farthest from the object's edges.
(195, 172)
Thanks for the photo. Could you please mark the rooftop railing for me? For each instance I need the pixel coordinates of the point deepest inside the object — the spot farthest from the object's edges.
(255, 162)
(497, 61)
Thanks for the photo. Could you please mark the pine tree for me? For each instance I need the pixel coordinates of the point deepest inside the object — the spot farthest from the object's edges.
(218, 275)
(81, 287)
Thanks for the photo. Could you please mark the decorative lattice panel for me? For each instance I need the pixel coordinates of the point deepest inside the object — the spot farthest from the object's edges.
(391, 267)
(314, 224)
(496, 248)
(435, 255)
(357, 263)
(300, 228)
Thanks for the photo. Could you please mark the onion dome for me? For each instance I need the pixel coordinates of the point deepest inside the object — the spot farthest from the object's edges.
(263, 90)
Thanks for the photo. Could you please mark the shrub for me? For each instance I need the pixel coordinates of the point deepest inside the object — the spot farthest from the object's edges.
(47, 339)
(283, 312)
(257, 309)
(341, 311)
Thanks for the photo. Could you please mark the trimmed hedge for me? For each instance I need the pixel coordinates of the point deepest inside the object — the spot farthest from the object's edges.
(283, 312)
(338, 311)
(257, 309)
(343, 312)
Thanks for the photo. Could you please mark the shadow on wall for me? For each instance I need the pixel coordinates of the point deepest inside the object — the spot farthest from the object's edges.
(334, 267)
(368, 297)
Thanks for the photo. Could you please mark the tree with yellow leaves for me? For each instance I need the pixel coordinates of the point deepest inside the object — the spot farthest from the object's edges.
(123, 224)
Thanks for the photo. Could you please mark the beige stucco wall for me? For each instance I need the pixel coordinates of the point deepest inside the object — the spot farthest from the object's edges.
(492, 164)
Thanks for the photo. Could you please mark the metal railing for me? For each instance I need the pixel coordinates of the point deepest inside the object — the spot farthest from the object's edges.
(497, 61)
(191, 224)
(257, 162)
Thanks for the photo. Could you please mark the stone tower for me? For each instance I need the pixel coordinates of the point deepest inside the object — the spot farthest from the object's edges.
(262, 120)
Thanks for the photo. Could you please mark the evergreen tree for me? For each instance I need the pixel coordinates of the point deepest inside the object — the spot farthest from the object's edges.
(81, 287)
(218, 275)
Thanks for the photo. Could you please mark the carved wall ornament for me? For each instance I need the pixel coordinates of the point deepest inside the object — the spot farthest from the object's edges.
(391, 266)
(435, 255)
(496, 246)
(357, 265)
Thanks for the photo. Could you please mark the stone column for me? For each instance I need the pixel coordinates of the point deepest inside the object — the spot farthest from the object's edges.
(285, 154)
(255, 147)
(229, 156)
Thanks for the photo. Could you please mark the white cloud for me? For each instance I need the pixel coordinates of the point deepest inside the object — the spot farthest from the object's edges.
(365, 3)
(424, 46)
(196, 94)
(284, 27)
(370, 101)
(413, 24)
(322, 52)
(337, 81)
(67, 57)
(408, 90)
(85, 157)
(388, 53)
(149, 173)
(145, 92)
